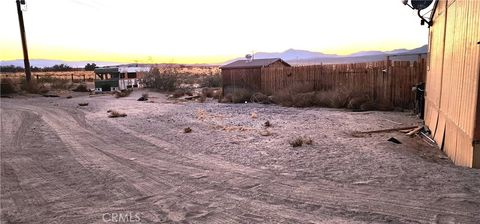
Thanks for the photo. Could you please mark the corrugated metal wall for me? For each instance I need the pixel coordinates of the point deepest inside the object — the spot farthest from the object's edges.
(453, 79)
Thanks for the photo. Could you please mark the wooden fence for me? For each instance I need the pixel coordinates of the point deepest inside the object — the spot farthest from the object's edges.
(386, 82)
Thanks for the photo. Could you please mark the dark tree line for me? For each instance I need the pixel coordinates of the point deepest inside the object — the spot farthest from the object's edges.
(55, 68)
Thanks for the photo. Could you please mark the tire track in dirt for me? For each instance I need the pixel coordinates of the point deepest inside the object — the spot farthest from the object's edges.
(166, 177)
(388, 204)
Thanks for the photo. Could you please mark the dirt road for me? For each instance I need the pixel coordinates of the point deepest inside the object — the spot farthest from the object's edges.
(61, 163)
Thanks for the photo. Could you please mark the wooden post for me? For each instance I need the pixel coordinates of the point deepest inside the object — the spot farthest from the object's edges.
(83, 77)
(37, 77)
(72, 77)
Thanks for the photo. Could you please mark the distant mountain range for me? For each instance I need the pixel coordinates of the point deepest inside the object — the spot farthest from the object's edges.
(292, 56)
(308, 57)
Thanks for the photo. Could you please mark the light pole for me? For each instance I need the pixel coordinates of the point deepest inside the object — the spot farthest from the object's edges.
(28, 73)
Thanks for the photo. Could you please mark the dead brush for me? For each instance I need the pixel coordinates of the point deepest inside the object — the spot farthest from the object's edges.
(114, 114)
(241, 95)
(290, 96)
(81, 88)
(57, 83)
(34, 87)
(300, 141)
(8, 86)
(123, 93)
(187, 130)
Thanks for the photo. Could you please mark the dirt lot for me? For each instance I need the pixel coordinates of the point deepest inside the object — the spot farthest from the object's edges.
(62, 163)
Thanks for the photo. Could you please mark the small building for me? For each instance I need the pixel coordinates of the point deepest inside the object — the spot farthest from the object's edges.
(118, 78)
(452, 107)
(247, 74)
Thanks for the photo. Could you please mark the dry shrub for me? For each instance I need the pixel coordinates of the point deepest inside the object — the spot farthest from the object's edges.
(288, 97)
(261, 98)
(123, 93)
(215, 93)
(81, 88)
(57, 83)
(34, 87)
(114, 114)
(166, 82)
(182, 92)
(202, 98)
(8, 86)
(212, 81)
(241, 95)
(226, 99)
(299, 141)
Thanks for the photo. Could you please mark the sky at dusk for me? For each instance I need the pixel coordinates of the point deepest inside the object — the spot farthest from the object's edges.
(208, 31)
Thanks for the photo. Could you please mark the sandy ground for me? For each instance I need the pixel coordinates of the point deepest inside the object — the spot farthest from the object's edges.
(61, 163)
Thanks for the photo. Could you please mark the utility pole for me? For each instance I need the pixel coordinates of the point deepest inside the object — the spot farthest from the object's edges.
(28, 73)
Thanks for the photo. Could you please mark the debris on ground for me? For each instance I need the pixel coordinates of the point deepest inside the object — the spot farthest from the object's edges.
(123, 93)
(254, 115)
(50, 95)
(144, 97)
(359, 133)
(83, 104)
(114, 114)
(187, 130)
(69, 97)
(267, 124)
(394, 140)
(414, 131)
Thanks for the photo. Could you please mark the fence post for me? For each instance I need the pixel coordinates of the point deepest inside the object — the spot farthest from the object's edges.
(37, 77)
(72, 77)
(83, 77)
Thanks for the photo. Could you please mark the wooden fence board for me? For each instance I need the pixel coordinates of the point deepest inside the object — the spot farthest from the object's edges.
(385, 82)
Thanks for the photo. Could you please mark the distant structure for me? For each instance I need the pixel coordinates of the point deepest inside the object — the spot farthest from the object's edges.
(118, 78)
(452, 107)
(247, 74)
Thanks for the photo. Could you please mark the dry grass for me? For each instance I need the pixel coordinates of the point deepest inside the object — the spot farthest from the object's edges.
(77, 75)
(34, 87)
(340, 98)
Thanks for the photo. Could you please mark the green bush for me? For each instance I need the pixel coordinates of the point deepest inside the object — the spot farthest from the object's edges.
(164, 82)
(212, 81)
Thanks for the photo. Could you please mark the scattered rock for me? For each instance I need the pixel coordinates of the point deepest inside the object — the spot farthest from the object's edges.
(267, 124)
(265, 133)
(69, 97)
(83, 104)
(187, 130)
